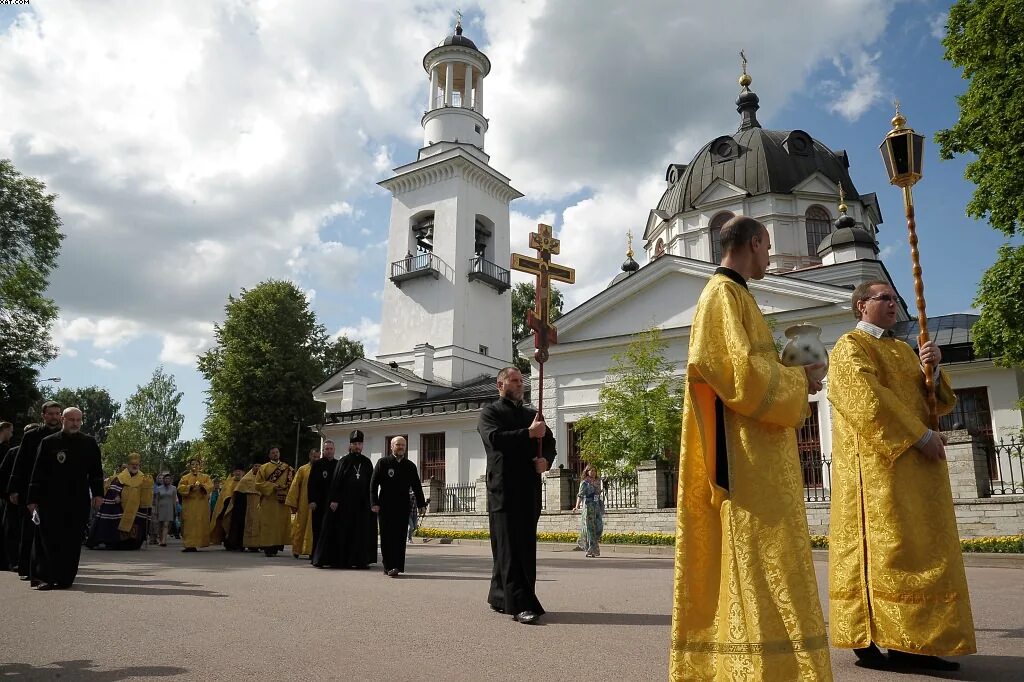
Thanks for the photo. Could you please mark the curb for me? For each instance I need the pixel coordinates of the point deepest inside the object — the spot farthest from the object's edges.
(971, 559)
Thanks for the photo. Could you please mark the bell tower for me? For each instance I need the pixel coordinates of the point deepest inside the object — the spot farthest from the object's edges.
(447, 310)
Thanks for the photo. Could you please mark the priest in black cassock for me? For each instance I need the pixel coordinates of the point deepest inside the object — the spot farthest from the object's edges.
(23, 531)
(511, 432)
(6, 431)
(321, 473)
(67, 472)
(394, 477)
(348, 538)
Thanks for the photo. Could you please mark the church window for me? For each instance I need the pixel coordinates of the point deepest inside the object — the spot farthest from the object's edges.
(972, 412)
(476, 128)
(659, 248)
(483, 350)
(575, 461)
(432, 456)
(798, 143)
(819, 225)
(715, 235)
(724, 148)
(484, 236)
(423, 232)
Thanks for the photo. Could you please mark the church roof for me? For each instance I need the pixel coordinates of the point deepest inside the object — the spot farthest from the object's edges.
(847, 235)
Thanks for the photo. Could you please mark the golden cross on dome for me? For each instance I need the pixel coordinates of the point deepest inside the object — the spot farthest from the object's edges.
(743, 58)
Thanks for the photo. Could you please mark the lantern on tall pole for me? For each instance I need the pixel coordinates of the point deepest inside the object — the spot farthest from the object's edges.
(903, 154)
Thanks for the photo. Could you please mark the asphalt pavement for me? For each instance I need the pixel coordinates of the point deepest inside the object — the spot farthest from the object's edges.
(216, 615)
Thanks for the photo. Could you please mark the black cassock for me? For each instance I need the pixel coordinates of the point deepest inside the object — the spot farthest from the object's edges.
(8, 513)
(321, 473)
(66, 476)
(348, 538)
(22, 530)
(235, 536)
(513, 503)
(392, 480)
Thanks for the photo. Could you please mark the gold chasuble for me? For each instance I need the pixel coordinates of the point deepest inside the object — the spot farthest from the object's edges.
(219, 519)
(251, 533)
(195, 509)
(896, 574)
(746, 599)
(136, 493)
(272, 482)
(298, 502)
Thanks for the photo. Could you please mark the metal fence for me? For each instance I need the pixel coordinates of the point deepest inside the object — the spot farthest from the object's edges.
(620, 492)
(671, 485)
(1006, 467)
(459, 497)
(817, 475)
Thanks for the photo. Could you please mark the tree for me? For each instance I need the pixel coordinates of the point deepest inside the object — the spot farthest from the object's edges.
(523, 300)
(99, 409)
(150, 424)
(267, 359)
(30, 237)
(999, 331)
(339, 353)
(639, 416)
(181, 452)
(985, 38)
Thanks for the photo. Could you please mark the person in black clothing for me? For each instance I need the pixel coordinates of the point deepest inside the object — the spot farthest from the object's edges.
(394, 477)
(511, 433)
(348, 538)
(67, 470)
(321, 473)
(6, 431)
(22, 528)
(10, 530)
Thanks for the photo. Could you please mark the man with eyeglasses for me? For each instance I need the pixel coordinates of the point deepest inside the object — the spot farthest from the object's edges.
(896, 574)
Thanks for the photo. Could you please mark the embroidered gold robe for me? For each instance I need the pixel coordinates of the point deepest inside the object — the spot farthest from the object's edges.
(136, 493)
(195, 509)
(251, 532)
(298, 502)
(896, 574)
(746, 600)
(272, 482)
(220, 521)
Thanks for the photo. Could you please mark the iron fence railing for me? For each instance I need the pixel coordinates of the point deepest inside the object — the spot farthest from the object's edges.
(458, 497)
(817, 476)
(671, 475)
(491, 273)
(620, 492)
(1006, 467)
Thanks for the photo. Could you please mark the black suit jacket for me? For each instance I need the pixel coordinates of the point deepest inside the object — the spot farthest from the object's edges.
(513, 484)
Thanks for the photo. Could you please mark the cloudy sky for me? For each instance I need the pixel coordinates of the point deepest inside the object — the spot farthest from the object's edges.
(199, 148)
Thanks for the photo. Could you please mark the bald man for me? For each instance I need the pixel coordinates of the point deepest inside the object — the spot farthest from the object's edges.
(67, 472)
(394, 477)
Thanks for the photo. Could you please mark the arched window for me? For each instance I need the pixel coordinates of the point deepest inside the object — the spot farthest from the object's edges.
(714, 234)
(819, 225)
(659, 248)
(423, 232)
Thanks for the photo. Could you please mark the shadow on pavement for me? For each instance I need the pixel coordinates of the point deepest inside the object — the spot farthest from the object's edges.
(156, 588)
(599, 618)
(425, 576)
(84, 670)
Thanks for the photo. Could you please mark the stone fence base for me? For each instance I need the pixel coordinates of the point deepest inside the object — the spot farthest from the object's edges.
(984, 517)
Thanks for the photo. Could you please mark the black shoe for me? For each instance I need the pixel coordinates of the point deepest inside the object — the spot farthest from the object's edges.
(22, 577)
(34, 583)
(871, 657)
(393, 573)
(496, 609)
(190, 549)
(526, 617)
(901, 659)
(270, 552)
(45, 587)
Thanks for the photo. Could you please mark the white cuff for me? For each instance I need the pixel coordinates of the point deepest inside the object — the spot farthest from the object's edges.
(923, 440)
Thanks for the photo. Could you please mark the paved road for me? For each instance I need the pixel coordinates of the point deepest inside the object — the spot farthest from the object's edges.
(217, 616)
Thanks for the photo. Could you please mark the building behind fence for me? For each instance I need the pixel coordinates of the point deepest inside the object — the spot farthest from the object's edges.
(986, 478)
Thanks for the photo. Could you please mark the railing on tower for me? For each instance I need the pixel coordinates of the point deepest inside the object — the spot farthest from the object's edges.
(421, 265)
(489, 273)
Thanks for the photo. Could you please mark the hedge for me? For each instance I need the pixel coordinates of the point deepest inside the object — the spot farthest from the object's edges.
(1011, 544)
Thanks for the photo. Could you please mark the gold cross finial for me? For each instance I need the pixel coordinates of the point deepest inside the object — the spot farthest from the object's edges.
(842, 199)
(458, 18)
(629, 243)
(745, 79)
(743, 58)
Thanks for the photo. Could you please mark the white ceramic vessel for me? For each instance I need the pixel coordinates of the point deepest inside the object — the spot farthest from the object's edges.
(805, 348)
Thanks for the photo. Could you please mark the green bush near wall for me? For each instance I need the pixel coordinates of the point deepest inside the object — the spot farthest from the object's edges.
(1011, 544)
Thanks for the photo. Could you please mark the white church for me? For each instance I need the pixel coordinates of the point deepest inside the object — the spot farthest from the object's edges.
(447, 306)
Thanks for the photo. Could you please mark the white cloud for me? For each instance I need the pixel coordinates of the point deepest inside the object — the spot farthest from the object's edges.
(937, 25)
(103, 363)
(103, 332)
(367, 332)
(183, 348)
(867, 89)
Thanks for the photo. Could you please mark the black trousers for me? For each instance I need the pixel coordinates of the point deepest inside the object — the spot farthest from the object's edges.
(394, 529)
(317, 519)
(13, 514)
(514, 549)
(25, 539)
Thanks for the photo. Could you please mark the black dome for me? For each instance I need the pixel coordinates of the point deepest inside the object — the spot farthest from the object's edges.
(856, 236)
(759, 161)
(458, 39)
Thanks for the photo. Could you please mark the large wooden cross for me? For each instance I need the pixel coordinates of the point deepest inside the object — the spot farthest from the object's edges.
(539, 319)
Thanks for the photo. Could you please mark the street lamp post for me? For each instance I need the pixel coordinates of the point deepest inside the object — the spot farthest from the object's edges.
(903, 154)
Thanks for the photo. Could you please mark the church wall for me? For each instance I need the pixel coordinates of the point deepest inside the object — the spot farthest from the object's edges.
(1004, 390)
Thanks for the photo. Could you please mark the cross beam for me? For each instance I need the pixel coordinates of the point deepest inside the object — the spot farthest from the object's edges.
(539, 319)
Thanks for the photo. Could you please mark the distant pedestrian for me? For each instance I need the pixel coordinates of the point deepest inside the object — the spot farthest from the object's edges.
(394, 479)
(165, 499)
(414, 516)
(591, 508)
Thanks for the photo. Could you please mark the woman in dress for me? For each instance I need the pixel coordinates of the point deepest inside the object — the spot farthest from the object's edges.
(165, 499)
(591, 508)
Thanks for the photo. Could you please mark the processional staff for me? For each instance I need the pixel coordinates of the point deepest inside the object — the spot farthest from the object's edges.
(903, 154)
(539, 319)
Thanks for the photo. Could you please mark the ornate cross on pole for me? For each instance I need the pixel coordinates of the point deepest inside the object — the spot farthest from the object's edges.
(539, 319)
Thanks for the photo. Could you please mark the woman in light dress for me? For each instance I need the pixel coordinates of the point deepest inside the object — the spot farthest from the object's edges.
(591, 508)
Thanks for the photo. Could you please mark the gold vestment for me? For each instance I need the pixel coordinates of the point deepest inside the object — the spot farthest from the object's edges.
(251, 531)
(220, 519)
(195, 509)
(896, 573)
(746, 601)
(272, 482)
(298, 502)
(136, 493)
